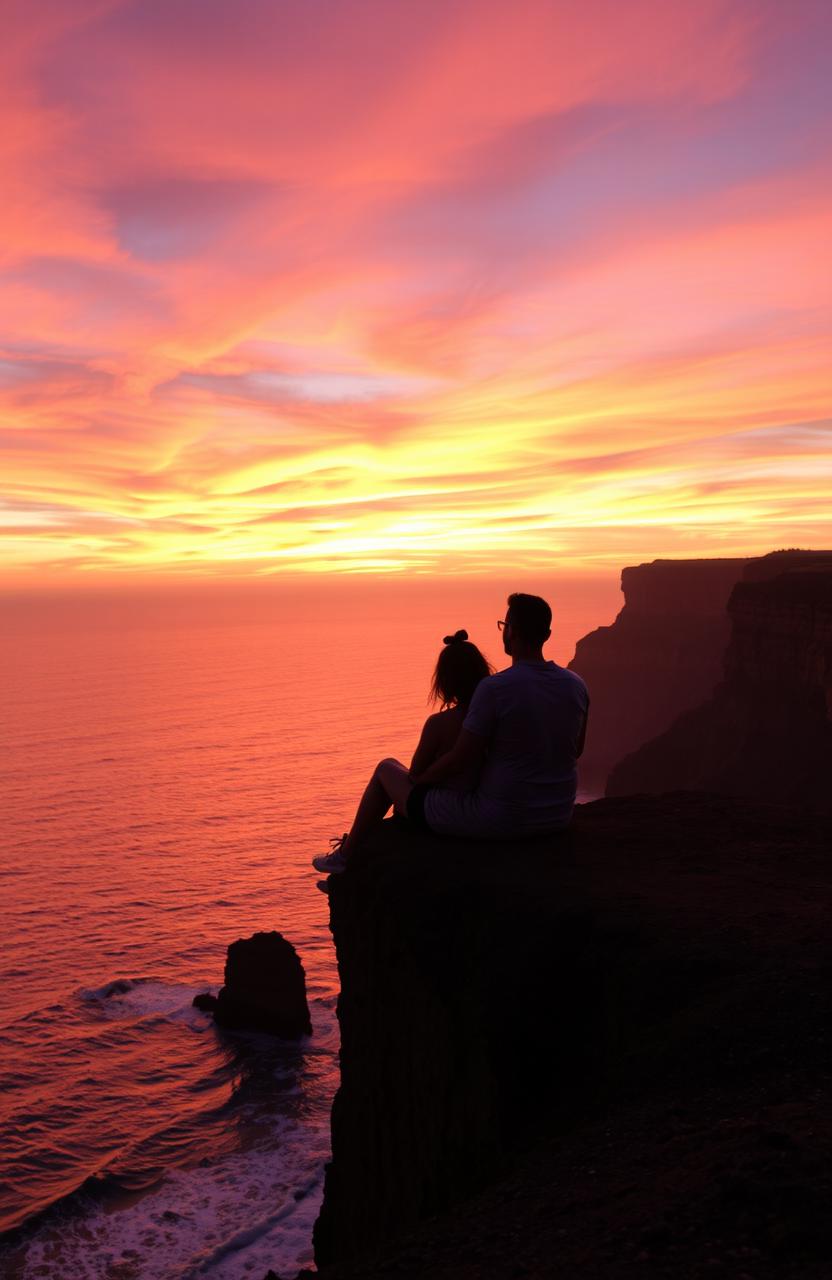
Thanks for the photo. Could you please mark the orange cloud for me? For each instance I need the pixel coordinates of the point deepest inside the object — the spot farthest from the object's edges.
(374, 286)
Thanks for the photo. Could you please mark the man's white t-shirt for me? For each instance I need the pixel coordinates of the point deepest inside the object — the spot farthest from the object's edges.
(532, 716)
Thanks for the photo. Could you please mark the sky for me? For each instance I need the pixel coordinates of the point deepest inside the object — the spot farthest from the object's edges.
(423, 286)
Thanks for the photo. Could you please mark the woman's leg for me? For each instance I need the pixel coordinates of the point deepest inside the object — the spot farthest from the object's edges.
(389, 785)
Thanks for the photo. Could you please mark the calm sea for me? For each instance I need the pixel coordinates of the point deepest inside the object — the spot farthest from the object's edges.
(170, 764)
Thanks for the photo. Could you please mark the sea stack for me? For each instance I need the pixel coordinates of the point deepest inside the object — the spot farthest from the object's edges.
(265, 989)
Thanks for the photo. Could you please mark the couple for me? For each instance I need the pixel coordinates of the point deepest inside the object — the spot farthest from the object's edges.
(499, 760)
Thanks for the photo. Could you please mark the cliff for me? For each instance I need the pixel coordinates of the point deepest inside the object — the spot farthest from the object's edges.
(766, 731)
(626, 1026)
(662, 656)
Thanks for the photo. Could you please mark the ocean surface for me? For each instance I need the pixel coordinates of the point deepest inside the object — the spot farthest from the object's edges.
(171, 762)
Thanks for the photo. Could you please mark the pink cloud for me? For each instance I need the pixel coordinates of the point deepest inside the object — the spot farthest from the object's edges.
(333, 255)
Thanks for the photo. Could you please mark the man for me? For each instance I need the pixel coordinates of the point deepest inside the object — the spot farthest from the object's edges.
(523, 734)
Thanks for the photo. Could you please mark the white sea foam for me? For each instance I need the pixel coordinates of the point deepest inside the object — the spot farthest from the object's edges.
(143, 997)
(235, 1216)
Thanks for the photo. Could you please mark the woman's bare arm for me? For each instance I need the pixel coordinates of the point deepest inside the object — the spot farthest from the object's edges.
(427, 748)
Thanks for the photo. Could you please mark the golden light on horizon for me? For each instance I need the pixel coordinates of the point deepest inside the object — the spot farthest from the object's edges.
(351, 309)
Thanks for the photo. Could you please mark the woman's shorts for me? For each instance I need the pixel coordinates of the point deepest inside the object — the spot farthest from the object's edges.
(416, 806)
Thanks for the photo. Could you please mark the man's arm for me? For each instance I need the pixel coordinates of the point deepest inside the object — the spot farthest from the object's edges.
(467, 752)
(582, 736)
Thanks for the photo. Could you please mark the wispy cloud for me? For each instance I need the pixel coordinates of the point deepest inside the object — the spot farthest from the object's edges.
(373, 286)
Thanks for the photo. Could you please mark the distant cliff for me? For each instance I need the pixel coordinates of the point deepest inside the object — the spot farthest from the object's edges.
(766, 731)
(628, 1023)
(663, 655)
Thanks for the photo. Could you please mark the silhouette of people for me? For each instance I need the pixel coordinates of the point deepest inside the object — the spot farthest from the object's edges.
(515, 751)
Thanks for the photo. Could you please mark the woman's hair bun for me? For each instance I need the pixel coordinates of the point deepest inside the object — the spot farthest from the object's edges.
(456, 638)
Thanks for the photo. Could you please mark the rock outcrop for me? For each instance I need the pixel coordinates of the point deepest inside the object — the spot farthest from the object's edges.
(602, 1020)
(766, 731)
(265, 989)
(663, 655)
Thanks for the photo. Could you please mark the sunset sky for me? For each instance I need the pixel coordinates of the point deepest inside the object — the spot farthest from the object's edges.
(434, 285)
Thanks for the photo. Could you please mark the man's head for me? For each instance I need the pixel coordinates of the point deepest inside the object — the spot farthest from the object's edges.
(528, 624)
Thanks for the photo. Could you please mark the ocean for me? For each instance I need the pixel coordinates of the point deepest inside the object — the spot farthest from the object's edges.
(172, 759)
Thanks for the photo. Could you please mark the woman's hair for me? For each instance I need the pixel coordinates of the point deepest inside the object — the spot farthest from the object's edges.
(459, 669)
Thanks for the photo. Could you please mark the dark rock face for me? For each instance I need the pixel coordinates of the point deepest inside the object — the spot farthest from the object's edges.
(265, 989)
(205, 1002)
(663, 655)
(660, 960)
(766, 731)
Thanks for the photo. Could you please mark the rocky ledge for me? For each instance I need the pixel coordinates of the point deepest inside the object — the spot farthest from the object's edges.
(589, 1056)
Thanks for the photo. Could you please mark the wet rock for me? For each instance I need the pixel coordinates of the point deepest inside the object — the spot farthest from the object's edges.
(265, 989)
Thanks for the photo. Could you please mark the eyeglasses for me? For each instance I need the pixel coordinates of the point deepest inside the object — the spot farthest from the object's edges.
(502, 624)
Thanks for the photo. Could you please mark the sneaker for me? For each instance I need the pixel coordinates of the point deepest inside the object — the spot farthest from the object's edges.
(333, 863)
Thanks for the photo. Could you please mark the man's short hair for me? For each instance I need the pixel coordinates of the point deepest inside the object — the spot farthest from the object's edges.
(530, 617)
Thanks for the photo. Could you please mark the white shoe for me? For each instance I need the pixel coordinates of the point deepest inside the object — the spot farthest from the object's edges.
(333, 863)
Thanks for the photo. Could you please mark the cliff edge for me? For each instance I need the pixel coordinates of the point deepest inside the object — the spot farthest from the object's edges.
(596, 1050)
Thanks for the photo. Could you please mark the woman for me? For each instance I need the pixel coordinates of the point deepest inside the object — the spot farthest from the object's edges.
(459, 669)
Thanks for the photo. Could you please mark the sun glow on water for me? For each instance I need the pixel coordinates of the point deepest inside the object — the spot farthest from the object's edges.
(174, 760)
